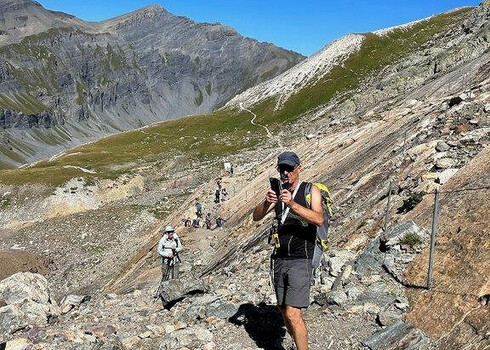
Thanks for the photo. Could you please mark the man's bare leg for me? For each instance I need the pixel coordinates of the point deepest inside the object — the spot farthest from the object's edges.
(296, 326)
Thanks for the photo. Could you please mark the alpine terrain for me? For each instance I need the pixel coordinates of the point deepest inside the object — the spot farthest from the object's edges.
(395, 122)
(64, 81)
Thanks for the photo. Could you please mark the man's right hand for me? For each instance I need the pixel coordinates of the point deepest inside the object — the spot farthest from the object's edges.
(264, 207)
(270, 197)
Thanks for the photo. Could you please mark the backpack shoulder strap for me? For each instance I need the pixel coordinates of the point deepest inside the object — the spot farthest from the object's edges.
(308, 194)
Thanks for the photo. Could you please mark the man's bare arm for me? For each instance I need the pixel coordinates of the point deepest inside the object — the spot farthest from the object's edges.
(313, 215)
(265, 207)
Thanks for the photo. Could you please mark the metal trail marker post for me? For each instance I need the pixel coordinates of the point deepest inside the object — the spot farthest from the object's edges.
(435, 214)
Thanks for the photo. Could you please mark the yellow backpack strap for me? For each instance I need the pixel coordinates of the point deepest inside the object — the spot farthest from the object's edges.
(325, 196)
(308, 194)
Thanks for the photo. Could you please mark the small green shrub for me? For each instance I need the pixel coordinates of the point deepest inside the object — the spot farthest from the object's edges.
(4, 201)
(411, 239)
(89, 181)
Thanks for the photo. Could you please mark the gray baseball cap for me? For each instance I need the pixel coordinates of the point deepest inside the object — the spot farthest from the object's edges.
(288, 158)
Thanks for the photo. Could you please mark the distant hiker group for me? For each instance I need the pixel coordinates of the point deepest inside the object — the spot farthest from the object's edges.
(208, 222)
(220, 194)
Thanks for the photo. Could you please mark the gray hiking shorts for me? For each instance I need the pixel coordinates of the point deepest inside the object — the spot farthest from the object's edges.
(292, 279)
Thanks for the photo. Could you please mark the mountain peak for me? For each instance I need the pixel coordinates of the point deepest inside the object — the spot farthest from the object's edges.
(11, 4)
(21, 18)
(150, 9)
(145, 12)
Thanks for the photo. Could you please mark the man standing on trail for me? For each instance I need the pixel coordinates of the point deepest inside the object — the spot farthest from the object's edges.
(169, 247)
(208, 221)
(296, 233)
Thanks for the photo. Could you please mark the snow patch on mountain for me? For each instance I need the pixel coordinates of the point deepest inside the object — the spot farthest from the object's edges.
(306, 72)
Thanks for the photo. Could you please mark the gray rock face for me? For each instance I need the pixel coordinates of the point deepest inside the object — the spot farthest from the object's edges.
(388, 317)
(337, 298)
(20, 18)
(78, 82)
(445, 175)
(72, 301)
(399, 335)
(442, 146)
(404, 242)
(19, 315)
(445, 163)
(399, 232)
(222, 310)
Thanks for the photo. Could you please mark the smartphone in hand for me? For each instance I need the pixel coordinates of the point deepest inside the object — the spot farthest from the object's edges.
(275, 186)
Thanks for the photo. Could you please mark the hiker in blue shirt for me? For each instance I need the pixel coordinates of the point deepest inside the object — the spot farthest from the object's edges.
(198, 209)
(293, 253)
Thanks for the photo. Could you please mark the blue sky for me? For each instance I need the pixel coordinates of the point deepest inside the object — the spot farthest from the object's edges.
(302, 26)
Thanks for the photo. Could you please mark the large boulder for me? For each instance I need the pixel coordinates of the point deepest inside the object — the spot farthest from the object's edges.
(173, 291)
(24, 285)
(26, 301)
(17, 316)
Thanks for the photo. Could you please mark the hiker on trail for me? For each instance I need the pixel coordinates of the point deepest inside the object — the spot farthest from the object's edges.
(195, 223)
(217, 192)
(219, 221)
(291, 264)
(224, 194)
(208, 221)
(198, 209)
(217, 195)
(169, 248)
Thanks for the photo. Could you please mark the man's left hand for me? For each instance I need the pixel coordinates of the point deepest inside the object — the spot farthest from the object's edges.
(286, 197)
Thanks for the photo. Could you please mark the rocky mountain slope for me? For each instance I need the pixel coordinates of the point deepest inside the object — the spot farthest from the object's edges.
(420, 122)
(64, 82)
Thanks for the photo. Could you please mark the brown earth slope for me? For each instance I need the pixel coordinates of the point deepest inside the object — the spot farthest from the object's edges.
(456, 310)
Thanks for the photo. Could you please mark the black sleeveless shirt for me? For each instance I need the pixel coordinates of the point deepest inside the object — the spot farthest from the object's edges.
(296, 235)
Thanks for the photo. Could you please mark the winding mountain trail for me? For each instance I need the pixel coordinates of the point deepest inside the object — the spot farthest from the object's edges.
(269, 134)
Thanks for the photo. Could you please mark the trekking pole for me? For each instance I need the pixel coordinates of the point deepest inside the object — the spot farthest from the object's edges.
(433, 239)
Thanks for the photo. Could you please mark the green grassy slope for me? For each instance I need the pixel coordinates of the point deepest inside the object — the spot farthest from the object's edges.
(376, 53)
(197, 137)
(226, 132)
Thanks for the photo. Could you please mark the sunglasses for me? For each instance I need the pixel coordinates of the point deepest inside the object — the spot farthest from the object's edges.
(284, 167)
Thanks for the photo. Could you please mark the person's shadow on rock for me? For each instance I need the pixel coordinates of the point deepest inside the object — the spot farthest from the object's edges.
(263, 323)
